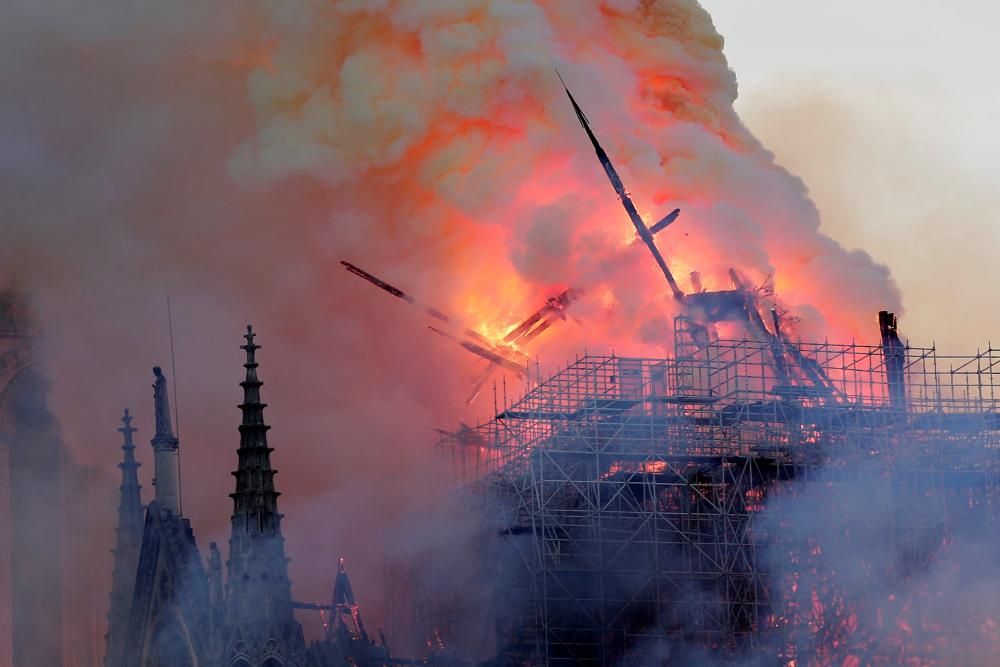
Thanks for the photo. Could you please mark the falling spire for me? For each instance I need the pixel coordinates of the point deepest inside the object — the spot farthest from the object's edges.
(644, 232)
(126, 551)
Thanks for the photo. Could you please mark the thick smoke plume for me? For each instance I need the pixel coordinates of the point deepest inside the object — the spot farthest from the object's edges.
(441, 131)
(229, 154)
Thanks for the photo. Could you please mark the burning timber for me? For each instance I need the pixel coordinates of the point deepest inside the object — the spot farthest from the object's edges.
(703, 508)
(762, 500)
(501, 354)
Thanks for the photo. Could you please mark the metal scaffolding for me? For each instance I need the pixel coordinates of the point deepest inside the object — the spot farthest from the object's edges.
(640, 507)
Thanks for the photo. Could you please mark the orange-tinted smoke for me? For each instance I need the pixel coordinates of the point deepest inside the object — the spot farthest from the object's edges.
(455, 159)
(428, 141)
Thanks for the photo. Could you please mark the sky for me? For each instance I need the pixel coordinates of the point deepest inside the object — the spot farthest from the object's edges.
(887, 111)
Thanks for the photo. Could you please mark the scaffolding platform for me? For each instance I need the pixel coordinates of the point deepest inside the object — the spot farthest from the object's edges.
(635, 507)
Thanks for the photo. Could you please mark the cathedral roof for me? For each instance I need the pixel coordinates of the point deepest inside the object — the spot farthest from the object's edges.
(169, 622)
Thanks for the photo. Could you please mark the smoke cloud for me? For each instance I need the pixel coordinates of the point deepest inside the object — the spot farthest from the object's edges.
(859, 148)
(878, 562)
(441, 129)
(229, 154)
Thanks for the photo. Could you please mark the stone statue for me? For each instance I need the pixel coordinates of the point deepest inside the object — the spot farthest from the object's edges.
(161, 404)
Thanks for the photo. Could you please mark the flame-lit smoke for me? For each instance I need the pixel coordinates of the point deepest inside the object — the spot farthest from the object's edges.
(877, 567)
(445, 137)
(430, 142)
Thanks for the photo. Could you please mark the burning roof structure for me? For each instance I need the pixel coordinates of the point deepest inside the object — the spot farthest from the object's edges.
(504, 353)
(744, 499)
(695, 506)
(750, 498)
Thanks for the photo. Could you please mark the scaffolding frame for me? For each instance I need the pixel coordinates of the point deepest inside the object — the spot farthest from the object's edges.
(621, 495)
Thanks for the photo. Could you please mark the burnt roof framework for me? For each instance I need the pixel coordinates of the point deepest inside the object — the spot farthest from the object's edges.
(650, 504)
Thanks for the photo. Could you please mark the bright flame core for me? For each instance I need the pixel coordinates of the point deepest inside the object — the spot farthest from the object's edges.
(452, 155)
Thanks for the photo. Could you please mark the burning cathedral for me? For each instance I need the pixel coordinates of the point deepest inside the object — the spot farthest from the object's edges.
(170, 609)
(753, 498)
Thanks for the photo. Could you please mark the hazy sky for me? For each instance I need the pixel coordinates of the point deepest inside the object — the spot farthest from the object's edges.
(887, 111)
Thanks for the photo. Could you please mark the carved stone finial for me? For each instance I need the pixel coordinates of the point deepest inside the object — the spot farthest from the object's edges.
(126, 427)
(249, 336)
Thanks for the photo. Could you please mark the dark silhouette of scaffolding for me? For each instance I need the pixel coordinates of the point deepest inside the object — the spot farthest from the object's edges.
(641, 507)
